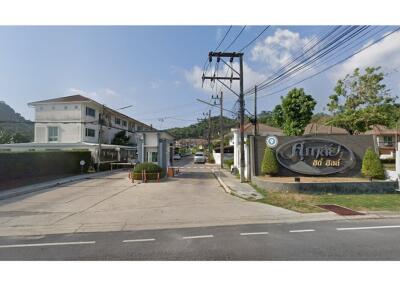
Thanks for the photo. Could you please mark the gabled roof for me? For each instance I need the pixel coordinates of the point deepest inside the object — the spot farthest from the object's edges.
(71, 98)
(316, 128)
(263, 129)
(381, 130)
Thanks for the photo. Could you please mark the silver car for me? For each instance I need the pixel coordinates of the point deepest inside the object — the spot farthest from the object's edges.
(199, 157)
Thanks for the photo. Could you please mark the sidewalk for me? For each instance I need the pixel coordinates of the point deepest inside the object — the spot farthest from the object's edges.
(6, 194)
(233, 186)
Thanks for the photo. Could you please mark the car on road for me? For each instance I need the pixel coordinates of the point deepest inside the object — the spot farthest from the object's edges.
(177, 157)
(199, 157)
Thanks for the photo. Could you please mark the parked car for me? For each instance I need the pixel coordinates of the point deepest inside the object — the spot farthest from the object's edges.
(177, 157)
(199, 157)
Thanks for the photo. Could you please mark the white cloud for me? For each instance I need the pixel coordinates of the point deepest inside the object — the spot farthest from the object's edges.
(385, 54)
(101, 95)
(279, 48)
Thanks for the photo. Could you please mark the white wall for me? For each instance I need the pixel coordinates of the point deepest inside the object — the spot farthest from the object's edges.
(151, 139)
(58, 112)
(67, 133)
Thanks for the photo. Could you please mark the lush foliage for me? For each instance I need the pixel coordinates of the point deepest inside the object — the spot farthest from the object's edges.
(372, 166)
(120, 138)
(269, 165)
(13, 127)
(150, 168)
(228, 163)
(295, 112)
(200, 129)
(362, 100)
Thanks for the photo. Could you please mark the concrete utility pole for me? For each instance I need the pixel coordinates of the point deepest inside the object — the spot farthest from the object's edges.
(101, 115)
(255, 112)
(209, 132)
(231, 56)
(221, 123)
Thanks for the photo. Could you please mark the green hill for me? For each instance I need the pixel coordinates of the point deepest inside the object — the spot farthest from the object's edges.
(14, 128)
(200, 130)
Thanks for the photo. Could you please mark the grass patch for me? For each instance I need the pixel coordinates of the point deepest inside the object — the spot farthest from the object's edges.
(305, 203)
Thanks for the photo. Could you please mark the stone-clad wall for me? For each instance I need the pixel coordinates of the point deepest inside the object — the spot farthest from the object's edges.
(338, 188)
(357, 143)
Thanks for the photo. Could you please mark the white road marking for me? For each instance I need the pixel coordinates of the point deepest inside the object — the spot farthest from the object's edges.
(47, 244)
(198, 236)
(368, 227)
(253, 233)
(302, 230)
(139, 240)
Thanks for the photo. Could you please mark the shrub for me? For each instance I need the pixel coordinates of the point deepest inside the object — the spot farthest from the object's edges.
(372, 166)
(269, 164)
(210, 158)
(151, 171)
(228, 163)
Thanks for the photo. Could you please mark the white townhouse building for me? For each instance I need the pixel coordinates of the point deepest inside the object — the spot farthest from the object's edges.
(80, 123)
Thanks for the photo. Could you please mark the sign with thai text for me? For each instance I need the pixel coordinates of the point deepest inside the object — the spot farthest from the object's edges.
(315, 156)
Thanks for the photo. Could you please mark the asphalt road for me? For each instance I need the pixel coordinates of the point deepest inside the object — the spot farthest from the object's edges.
(333, 240)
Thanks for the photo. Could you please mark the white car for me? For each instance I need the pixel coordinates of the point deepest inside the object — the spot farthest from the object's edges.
(199, 157)
(177, 157)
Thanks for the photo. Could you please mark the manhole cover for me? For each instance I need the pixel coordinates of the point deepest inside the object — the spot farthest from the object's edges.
(339, 210)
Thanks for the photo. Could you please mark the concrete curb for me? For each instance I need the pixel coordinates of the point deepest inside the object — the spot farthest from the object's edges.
(223, 185)
(11, 193)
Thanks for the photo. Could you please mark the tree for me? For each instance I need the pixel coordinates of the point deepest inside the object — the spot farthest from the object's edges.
(362, 100)
(121, 139)
(269, 164)
(372, 165)
(278, 116)
(297, 110)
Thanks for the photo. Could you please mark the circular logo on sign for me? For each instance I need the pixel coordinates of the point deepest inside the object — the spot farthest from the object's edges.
(272, 141)
(82, 162)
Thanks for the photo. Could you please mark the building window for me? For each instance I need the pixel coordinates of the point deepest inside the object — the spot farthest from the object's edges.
(388, 140)
(124, 123)
(52, 133)
(90, 112)
(140, 128)
(76, 106)
(117, 121)
(41, 108)
(153, 157)
(65, 107)
(90, 132)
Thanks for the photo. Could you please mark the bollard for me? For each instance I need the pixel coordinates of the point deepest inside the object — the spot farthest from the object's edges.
(158, 177)
(145, 177)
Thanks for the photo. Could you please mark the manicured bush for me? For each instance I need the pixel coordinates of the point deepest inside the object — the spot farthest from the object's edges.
(151, 169)
(372, 165)
(228, 163)
(269, 165)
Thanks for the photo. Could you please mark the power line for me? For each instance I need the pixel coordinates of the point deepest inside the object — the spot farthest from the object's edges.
(252, 41)
(335, 64)
(234, 40)
(223, 38)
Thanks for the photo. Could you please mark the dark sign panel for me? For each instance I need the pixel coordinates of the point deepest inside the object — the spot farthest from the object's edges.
(315, 156)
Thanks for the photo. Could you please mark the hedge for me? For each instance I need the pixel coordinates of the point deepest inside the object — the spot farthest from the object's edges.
(34, 164)
(269, 165)
(372, 166)
(151, 169)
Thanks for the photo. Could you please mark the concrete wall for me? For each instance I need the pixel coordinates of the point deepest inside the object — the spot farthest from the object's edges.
(67, 133)
(357, 143)
(341, 188)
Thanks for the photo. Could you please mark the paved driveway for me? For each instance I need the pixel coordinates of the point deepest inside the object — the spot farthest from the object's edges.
(112, 203)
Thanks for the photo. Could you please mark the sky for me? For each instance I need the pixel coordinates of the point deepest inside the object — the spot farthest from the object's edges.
(158, 69)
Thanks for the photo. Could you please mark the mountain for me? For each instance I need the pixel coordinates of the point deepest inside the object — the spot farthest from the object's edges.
(14, 128)
(200, 130)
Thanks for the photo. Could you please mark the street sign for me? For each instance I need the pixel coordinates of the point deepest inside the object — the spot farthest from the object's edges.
(82, 163)
(271, 141)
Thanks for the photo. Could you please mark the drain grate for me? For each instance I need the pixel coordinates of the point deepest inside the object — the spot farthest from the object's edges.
(339, 210)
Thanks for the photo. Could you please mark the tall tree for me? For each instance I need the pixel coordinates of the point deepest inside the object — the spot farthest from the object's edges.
(362, 100)
(278, 116)
(297, 110)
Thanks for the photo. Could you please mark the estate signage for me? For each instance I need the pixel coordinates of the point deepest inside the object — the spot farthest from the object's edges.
(315, 156)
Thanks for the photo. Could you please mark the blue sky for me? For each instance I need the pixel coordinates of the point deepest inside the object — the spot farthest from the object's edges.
(157, 69)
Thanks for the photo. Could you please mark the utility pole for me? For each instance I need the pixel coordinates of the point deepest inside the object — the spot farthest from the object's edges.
(209, 132)
(255, 112)
(101, 115)
(221, 125)
(231, 56)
